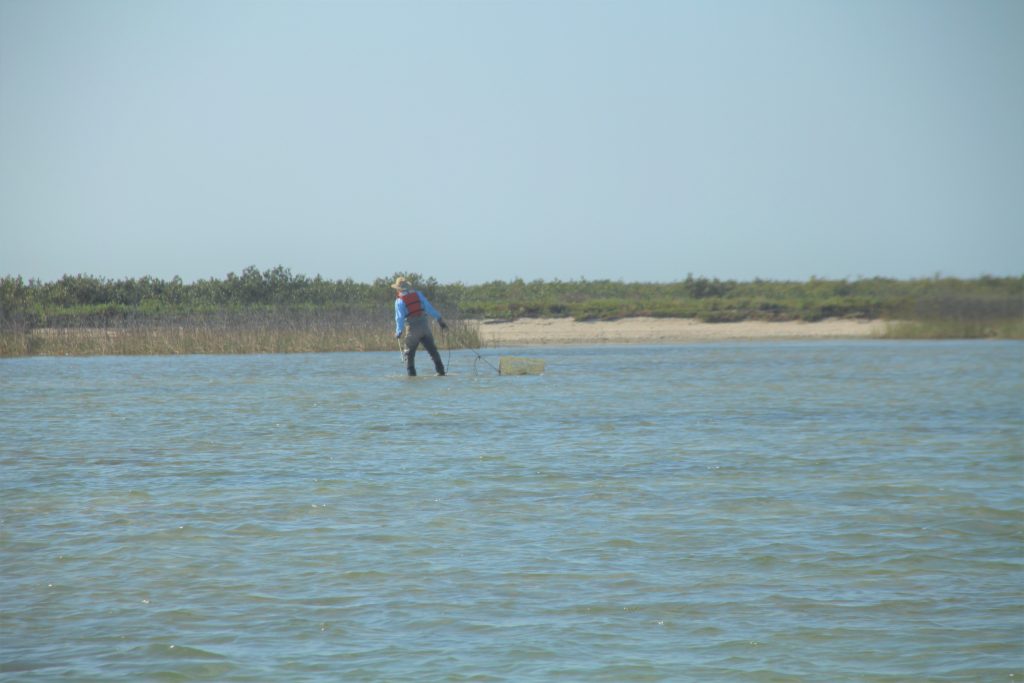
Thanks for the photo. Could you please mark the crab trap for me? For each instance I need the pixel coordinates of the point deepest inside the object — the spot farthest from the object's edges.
(513, 365)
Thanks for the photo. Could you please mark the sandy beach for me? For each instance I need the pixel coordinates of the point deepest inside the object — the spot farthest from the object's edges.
(530, 331)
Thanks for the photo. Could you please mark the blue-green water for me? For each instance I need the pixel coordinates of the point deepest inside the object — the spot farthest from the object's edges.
(827, 511)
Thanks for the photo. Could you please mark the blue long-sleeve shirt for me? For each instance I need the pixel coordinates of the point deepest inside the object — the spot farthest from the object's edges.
(402, 311)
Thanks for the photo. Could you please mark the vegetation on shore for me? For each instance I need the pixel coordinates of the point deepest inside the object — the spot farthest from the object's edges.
(276, 311)
(256, 331)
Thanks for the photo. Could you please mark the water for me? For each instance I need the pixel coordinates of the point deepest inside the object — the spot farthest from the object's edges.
(833, 511)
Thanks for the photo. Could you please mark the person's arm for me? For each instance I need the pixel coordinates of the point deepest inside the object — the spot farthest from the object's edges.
(400, 313)
(432, 312)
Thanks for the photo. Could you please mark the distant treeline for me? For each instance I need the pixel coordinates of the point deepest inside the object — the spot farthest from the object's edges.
(87, 300)
(938, 306)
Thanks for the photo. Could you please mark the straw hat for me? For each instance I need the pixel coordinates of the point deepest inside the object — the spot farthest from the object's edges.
(401, 283)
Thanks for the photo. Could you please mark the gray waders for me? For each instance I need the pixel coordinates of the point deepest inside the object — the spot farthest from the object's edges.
(417, 332)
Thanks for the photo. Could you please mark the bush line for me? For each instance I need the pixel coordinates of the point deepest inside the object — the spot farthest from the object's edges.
(276, 311)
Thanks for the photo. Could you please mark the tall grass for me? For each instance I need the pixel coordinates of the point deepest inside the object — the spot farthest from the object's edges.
(953, 328)
(219, 335)
(948, 311)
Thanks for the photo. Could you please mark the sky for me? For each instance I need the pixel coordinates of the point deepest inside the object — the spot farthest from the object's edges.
(472, 141)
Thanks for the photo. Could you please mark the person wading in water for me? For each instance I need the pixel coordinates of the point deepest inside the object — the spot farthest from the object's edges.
(412, 307)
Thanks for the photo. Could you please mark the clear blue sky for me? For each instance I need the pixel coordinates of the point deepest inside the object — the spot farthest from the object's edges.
(639, 140)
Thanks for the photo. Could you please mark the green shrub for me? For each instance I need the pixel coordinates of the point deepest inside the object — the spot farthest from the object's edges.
(258, 301)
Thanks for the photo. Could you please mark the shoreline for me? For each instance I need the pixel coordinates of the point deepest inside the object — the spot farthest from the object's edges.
(645, 330)
(471, 333)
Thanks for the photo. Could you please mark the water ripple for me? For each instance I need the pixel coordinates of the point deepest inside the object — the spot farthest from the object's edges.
(791, 511)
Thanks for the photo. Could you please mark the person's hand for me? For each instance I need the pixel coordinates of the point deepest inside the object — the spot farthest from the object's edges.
(398, 335)
(443, 324)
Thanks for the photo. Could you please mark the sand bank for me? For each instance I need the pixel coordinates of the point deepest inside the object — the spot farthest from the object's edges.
(528, 331)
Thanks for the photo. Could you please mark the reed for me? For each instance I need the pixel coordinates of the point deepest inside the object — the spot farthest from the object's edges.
(938, 328)
(218, 337)
(949, 311)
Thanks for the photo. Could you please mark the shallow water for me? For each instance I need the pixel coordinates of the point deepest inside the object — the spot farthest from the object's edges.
(840, 511)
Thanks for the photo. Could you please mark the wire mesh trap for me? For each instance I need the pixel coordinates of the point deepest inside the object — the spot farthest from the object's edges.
(512, 365)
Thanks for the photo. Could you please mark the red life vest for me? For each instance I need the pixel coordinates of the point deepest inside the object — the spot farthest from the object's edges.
(413, 305)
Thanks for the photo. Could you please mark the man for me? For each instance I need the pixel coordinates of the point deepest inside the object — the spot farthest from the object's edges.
(412, 306)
